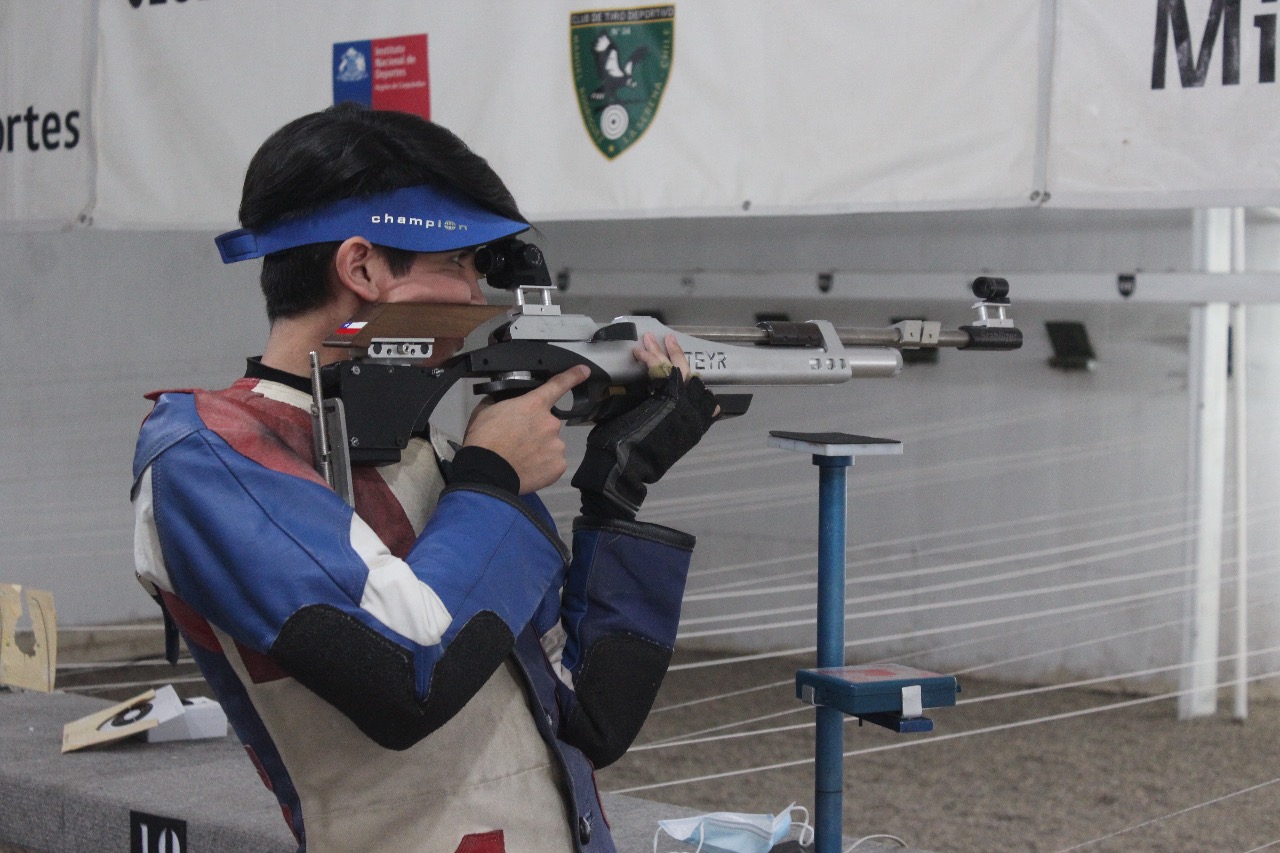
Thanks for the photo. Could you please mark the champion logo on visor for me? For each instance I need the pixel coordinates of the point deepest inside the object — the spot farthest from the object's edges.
(416, 219)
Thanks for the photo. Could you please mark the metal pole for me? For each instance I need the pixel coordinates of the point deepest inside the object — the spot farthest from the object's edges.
(1207, 493)
(829, 754)
(1240, 706)
(1206, 469)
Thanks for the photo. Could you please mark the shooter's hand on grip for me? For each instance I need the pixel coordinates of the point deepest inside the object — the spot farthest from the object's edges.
(627, 452)
(524, 432)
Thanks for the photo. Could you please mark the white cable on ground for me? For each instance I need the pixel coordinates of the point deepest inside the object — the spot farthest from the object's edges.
(876, 837)
(701, 700)
(684, 736)
(1102, 679)
(1088, 609)
(938, 605)
(984, 639)
(1092, 641)
(914, 541)
(1155, 820)
(1108, 610)
(1088, 560)
(878, 482)
(1178, 529)
(736, 588)
(749, 443)
(923, 632)
(695, 506)
(791, 681)
(1266, 846)
(933, 738)
(1257, 603)
(1069, 646)
(746, 440)
(691, 738)
(789, 496)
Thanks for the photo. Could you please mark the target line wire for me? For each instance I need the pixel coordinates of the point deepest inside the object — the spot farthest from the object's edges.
(691, 738)
(1156, 820)
(1113, 706)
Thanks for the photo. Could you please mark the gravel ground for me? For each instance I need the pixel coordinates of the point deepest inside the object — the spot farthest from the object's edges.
(1049, 786)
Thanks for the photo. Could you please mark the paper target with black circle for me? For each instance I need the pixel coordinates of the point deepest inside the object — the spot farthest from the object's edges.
(133, 714)
(130, 717)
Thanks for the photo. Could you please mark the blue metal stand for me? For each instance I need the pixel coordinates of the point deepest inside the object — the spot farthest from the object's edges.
(888, 695)
(828, 806)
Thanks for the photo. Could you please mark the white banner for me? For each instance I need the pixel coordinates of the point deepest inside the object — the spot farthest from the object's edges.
(1165, 103)
(44, 117)
(713, 107)
(700, 107)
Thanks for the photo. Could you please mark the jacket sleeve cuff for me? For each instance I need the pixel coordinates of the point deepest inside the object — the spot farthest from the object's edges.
(480, 466)
(641, 529)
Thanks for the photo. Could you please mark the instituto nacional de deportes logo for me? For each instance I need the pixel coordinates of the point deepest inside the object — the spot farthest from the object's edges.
(621, 59)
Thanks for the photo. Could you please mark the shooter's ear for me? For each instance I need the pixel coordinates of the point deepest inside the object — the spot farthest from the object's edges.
(356, 266)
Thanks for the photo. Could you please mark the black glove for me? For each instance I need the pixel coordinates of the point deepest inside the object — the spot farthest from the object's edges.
(627, 452)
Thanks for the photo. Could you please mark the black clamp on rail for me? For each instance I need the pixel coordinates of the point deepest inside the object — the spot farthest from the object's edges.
(992, 333)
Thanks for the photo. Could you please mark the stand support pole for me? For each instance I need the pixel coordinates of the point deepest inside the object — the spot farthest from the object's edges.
(829, 754)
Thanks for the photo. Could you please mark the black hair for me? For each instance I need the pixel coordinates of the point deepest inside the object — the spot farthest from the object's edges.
(342, 152)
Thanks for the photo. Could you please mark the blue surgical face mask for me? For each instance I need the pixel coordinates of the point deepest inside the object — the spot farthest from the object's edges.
(730, 832)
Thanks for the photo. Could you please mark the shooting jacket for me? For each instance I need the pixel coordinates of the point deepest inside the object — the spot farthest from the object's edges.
(433, 671)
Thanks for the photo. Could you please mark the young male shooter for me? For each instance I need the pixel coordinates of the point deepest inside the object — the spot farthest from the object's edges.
(435, 670)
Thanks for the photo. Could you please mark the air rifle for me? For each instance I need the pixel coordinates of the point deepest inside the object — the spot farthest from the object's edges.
(368, 407)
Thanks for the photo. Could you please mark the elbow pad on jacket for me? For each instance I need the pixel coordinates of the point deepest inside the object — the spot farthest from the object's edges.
(370, 678)
(610, 710)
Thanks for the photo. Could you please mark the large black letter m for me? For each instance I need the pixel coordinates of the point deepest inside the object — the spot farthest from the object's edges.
(1193, 73)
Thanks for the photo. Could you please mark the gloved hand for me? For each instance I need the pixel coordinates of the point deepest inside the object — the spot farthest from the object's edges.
(628, 452)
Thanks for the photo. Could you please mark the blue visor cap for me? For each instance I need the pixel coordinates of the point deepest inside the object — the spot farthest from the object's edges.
(416, 219)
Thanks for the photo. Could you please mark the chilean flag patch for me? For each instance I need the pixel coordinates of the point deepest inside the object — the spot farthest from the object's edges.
(351, 328)
(384, 74)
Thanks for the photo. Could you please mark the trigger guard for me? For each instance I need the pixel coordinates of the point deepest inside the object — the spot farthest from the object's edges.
(581, 405)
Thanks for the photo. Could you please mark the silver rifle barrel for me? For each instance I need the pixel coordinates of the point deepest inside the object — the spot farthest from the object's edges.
(883, 337)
